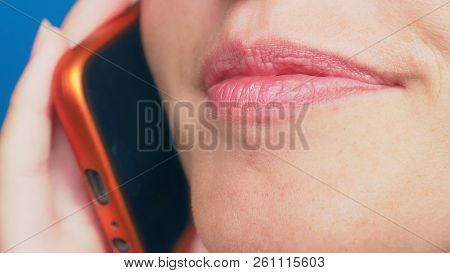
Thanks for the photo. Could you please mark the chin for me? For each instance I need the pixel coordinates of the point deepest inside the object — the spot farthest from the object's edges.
(290, 215)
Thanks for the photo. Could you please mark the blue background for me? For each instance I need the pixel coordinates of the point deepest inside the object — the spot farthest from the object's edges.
(17, 33)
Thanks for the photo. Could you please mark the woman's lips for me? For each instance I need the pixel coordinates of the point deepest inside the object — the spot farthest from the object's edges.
(271, 72)
(296, 89)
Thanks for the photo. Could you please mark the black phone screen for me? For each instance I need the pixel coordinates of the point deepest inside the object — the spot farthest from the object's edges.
(126, 107)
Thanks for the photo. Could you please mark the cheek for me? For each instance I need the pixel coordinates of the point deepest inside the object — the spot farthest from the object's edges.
(177, 33)
(435, 28)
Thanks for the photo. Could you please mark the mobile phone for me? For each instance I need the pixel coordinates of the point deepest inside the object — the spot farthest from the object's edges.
(102, 92)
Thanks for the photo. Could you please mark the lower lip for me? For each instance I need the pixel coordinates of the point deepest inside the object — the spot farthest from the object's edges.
(297, 90)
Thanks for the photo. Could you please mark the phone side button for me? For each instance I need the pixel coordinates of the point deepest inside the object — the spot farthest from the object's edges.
(98, 186)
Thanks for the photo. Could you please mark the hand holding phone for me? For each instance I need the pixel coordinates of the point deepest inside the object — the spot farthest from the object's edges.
(42, 193)
(108, 103)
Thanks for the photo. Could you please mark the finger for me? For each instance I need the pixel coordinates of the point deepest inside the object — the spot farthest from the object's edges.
(87, 15)
(25, 144)
(70, 197)
(26, 134)
(69, 193)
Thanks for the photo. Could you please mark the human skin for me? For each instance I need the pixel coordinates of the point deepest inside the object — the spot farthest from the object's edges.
(40, 182)
(373, 180)
(375, 177)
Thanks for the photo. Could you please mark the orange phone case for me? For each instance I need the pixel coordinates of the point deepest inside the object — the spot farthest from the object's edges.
(74, 114)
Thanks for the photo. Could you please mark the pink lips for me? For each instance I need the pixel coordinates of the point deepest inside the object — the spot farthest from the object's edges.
(271, 72)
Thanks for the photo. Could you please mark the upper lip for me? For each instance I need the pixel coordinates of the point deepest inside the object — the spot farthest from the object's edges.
(274, 57)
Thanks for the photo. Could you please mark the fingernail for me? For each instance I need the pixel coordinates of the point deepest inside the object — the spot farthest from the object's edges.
(40, 36)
